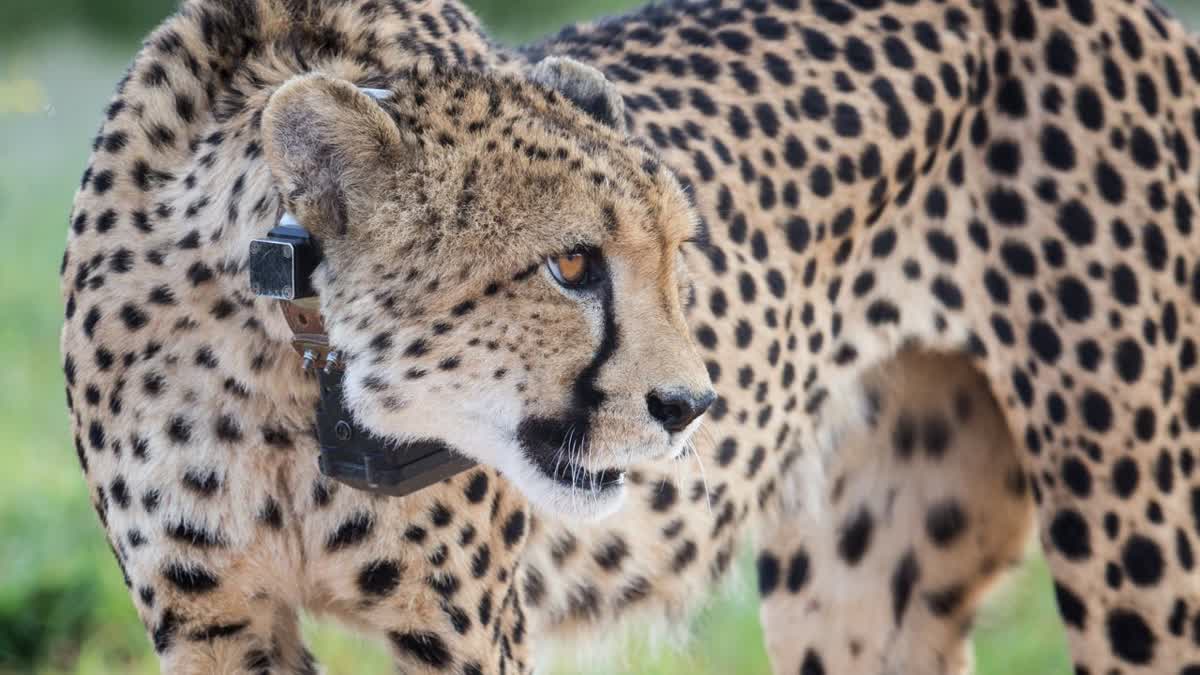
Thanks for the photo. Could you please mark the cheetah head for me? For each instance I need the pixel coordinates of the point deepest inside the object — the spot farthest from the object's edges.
(502, 270)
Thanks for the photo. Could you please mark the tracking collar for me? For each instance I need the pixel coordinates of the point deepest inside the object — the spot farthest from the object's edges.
(281, 267)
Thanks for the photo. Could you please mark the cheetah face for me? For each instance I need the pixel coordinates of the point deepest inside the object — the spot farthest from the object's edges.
(502, 271)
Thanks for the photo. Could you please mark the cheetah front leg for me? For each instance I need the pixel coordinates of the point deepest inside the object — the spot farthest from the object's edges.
(926, 508)
(216, 587)
(431, 574)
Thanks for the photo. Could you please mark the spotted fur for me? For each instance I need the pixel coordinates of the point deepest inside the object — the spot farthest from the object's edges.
(937, 260)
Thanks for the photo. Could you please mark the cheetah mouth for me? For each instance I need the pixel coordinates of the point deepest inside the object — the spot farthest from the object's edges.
(572, 475)
(542, 443)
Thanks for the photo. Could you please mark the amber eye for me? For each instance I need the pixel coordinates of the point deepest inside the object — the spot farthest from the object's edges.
(573, 269)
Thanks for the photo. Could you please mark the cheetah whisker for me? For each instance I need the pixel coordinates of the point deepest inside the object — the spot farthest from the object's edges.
(703, 476)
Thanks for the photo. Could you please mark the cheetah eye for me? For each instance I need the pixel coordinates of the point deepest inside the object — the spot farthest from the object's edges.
(575, 270)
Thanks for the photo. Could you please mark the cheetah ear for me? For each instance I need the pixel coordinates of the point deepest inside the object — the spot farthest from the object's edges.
(332, 150)
(585, 86)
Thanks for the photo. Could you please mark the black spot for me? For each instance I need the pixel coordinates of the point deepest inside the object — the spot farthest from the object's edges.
(819, 46)
(1097, 411)
(227, 427)
(1143, 560)
(1125, 476)
(1143, 148)
(1004, 157)
(1128, 360)
(1130, 636)
(133, 317)
(1124, 285)
(947, 292)
(1074, 299)
(204, 483)
(96, 435)
(855, 536)
(1089, 108)
(846, 122)
(190, 579)
(195, 535)
(1070, 535)
(1044, 341)
(1191, 407)
(1006, 206)
(904, 577)
(1070, 606)
(684, 556)
(797, 574)
(102, 182)
(883, 312)
(477, 489)
(354, 530)
(121, 261)
(199, 273)
(1077, 223)
(271, 515)
(379, 578)
(812, 664)
(665, 495)
(858, 55)
(179, 430)
(164, 632)
(1110, 183)
(120, 492)
(440, 515)
(935, 207)
(904, 436)
(1077, 477)
(1082, 11)
(427, 648)
(897, 53)
(798, 234)
(935, 433)
(217, 631)
(942, 603)
(1057, 149)
(1061, 57)
(480, 561)
(1010, 98)
(734, 40)
(514, 528)
(945, 522)
(768, 573)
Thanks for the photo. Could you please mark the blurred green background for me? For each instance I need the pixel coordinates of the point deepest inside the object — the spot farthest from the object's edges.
(63, 606)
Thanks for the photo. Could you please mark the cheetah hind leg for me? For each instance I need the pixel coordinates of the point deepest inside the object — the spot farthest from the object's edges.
(927, 507)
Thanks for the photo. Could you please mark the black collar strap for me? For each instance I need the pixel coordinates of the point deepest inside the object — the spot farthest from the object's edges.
(281, 267)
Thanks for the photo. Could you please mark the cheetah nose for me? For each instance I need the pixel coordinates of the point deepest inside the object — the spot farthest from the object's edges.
(677, 408)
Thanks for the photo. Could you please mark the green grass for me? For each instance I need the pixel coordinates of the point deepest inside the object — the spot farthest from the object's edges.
(63, 607)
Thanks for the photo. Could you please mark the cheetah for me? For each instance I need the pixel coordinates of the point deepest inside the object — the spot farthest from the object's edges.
(880, 288)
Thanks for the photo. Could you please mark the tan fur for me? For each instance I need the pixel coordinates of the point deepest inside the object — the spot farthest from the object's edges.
(847, 614)
(902, 201)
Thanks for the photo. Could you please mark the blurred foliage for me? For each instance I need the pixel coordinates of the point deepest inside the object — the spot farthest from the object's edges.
(127, 21)
(63, 606)
(121, 21)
